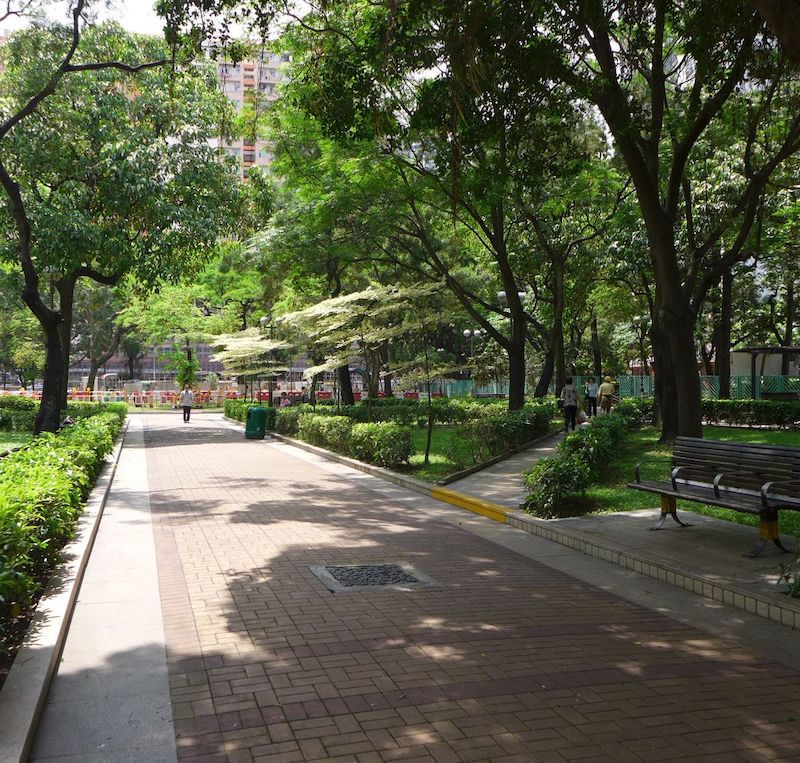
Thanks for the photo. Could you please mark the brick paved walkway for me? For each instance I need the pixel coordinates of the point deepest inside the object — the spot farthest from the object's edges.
(508, 661)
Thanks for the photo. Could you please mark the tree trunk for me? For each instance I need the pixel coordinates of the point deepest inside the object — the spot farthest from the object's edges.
(723, 344)
(345, 385)
(66, 303)
(597, 360)
(546, 377)
(48, 419)
(516, 372)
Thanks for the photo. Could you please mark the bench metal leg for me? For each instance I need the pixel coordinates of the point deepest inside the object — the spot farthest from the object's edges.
(668, 508)
(768, 530)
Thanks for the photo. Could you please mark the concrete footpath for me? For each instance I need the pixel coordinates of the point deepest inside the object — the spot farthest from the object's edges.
(203, 632)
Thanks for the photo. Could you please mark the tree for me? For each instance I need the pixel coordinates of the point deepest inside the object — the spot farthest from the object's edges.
(108, 169)
(664, 76)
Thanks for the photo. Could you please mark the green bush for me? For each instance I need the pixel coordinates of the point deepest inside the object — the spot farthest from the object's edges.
(236, 409)
(287, 419)
(82, 410)
(579, 459)
(332, 432)
(779, 413)
(14, 403)
(493, 434)
(638, 410)
(42, 488)
(383, 443)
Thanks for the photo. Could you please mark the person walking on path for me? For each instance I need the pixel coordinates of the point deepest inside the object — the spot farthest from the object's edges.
(591, 397)
(187, 399)
(606, 393)
(569, 401)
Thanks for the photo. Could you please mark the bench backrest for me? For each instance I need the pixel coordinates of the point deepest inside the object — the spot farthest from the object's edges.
(747, 465)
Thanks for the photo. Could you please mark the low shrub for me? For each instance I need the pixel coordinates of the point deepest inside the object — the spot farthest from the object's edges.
(332, 432)
(287, 419)
(778, 413)
(638, 410)
(236, 409)
(14, 403)
(492, 434)
(580, 457)
(82, 410)
(383, 443)
(42, 487)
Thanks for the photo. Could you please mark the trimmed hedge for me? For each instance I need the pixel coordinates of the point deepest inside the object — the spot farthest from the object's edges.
(14, 403)
(18, 414)
(580, 456)
(494, 433)
(780, 413)
(384, 443)
(42, 489)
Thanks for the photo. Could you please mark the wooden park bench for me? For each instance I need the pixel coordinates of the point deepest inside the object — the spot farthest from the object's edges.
(748, 477)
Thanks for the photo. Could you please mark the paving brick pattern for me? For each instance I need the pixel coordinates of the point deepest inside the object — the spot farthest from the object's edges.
(509, 661)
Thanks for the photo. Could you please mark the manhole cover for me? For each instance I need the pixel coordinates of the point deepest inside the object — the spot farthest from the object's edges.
(365, 577)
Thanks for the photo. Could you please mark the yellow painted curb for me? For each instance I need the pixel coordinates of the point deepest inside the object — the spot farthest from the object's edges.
(484, 508)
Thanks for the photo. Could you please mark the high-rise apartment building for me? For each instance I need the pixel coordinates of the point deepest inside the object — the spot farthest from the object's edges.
(251, 84)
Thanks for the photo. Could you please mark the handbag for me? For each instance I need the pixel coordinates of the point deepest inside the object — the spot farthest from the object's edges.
(560, 404)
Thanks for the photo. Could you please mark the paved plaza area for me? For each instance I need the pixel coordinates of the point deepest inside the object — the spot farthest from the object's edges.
(232, 649)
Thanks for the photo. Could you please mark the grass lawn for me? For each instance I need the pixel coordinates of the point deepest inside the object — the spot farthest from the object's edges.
(10, 440)
(444, 439)
(642, 446)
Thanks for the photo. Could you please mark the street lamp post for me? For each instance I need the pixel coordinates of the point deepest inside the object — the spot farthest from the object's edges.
(266, 326)
(472, 334)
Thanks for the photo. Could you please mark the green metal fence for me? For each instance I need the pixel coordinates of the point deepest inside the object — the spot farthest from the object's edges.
(642, 386)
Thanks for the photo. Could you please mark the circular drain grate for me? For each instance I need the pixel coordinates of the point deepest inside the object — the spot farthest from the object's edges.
(366, 577)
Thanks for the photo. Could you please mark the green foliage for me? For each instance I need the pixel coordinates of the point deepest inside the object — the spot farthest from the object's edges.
(781, 413)
(385, 444)
(185, 368)
(325, 431)
(42, 488)
(581, 457)
(236, 409)
(16, 420)
(638, 410)
(287, 419)
(789, 574)
(14, 403)
(493, 433)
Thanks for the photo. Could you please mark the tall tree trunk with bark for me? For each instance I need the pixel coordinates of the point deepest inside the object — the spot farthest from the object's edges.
(345, 385)
(66, 301)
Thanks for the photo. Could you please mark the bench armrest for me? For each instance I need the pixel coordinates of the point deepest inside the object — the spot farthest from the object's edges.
(767, 487)
(717, 480)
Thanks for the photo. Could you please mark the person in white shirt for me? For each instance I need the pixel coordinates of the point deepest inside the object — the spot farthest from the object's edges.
(187, 398)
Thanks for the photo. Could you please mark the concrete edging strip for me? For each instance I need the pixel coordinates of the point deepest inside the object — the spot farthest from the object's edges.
(787, 614)
(25, 689)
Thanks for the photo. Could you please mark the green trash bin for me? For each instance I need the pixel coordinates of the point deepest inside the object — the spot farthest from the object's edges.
(256, 424)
